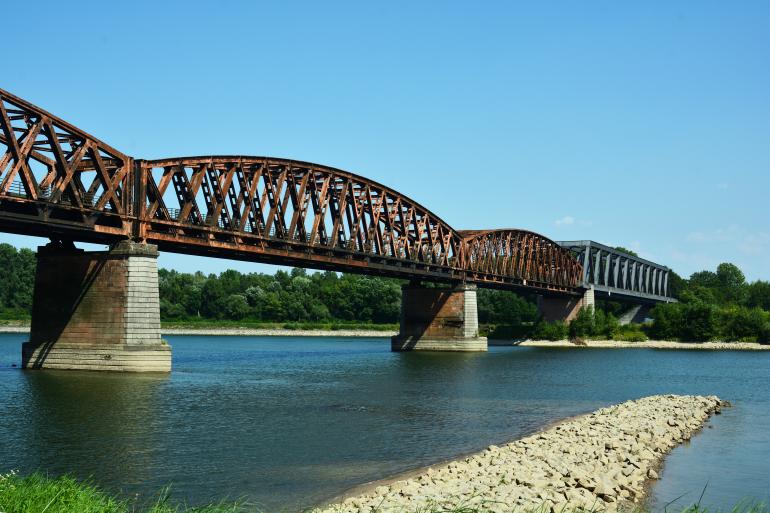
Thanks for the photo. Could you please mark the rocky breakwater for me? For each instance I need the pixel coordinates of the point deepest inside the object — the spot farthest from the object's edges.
(600, 461)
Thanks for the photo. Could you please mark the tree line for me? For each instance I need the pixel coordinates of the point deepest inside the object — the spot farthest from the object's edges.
(718, 304)
(712, 305)
(294, 296)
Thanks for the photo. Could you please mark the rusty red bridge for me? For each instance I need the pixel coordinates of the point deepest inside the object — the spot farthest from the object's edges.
(100, 309)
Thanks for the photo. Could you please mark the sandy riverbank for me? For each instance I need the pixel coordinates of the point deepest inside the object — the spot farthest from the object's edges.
(652, 344)
(248, 332)
(604, 344)
(601, 460)
(14, 329)
(277, 332)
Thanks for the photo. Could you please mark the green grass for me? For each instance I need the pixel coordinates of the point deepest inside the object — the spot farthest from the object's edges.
(37, 493)
(14, 315)
(14, 322)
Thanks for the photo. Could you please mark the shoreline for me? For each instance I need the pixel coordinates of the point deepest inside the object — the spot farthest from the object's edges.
(609, 457)
(647, 344)
(371, 486)
(352, 333)
(248, 332)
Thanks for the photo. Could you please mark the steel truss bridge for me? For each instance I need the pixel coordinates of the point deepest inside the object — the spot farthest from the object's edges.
(620, 276)
(58, 181)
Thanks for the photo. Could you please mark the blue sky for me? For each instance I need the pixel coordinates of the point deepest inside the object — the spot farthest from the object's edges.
(644, 125)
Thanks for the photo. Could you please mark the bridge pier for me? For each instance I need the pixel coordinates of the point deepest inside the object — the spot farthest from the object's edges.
(564, 308)
(96, 310)
(439, 319)
(636, 314)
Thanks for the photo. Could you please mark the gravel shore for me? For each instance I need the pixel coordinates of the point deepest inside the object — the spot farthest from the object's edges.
(600, 461)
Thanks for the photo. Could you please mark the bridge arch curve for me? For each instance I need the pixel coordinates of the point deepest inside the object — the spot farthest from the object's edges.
(58, 181)
(273, 203)
(518, 257)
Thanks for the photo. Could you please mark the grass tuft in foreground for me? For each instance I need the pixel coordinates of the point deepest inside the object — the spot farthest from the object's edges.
(37, 493)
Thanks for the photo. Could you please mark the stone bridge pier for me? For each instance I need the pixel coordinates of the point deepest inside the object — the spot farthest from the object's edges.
(564, 308)
(439, 319)
(96, 310)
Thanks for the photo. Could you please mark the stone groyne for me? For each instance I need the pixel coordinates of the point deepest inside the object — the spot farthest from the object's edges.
(601, 461)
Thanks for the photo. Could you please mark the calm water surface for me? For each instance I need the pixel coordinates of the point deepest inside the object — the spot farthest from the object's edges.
(289, 422)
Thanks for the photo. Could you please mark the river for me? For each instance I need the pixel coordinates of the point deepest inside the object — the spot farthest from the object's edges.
(290, 422)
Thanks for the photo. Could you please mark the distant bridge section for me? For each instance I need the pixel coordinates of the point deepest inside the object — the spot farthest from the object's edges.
(620, 276)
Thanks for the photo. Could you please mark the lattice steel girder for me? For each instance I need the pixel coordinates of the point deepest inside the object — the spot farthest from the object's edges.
(619, 273)
(60, 182)
(521, 255)
(56, 177)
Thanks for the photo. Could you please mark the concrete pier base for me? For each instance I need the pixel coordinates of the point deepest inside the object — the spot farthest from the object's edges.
(439, 319)
(636, 314)
(564, 308)
(96, 310)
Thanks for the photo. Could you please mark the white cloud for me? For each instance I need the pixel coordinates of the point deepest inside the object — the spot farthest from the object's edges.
(729, 234)
(705, 249)
(565, 221)
(755, 243)
(747, 242)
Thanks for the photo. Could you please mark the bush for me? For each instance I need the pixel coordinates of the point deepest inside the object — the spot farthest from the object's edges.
(630, 333)
(669, 321)
(170, 310)
(700, 322)
(556, 330)
(744, 324)
(696, 321)
(605, 325)
(584, 324)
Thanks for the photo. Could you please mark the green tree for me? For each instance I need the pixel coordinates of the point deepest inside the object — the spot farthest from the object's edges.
(235, 307)
(584, 323)
(706, 279)
(758, 295)
(212, 296)
(624, 250)
(669, 321)
(676, 284)
(731, 283)
(16, 287)
(503, 307)
(701, 322)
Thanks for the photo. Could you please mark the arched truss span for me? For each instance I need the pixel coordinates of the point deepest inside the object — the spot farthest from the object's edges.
(288, 210)
(58, 181)
(58, 173)
(518, 257)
